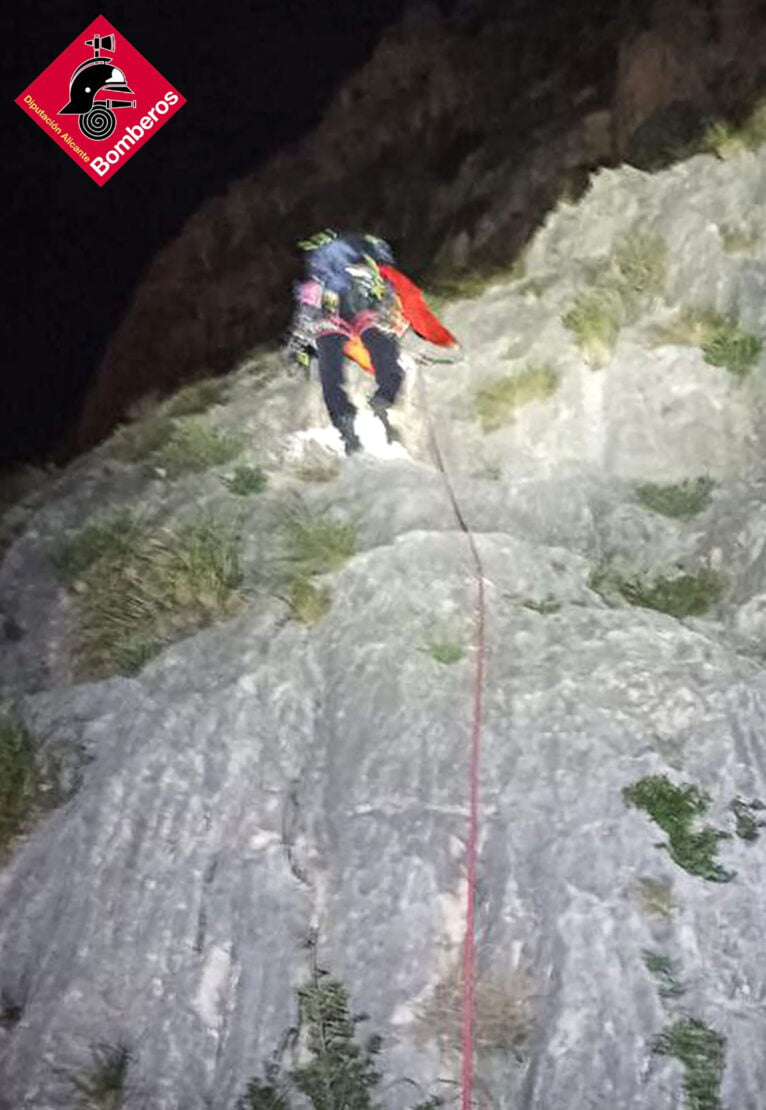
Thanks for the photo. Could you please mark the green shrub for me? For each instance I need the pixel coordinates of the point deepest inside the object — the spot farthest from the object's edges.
(496, 403)
(195, 398)
(446, 651)
(245, 480)
(103, 1086)
(338, 1073)
(194, 447)
(675, 809)
(681, 502)
(722, 340)
(161, 585)
(685, 595)
(633, 274)
(733, 349)
(22, 784)
(702, 1051)
(688, 595)
(666, 972)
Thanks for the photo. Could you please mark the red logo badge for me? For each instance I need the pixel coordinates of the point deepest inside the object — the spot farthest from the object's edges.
(100, 100)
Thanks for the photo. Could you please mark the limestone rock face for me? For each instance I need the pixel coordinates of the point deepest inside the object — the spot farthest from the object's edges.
(453, 142)
(265, 777)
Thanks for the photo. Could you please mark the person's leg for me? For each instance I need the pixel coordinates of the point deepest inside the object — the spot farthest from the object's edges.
(330, 354)
(384, 352)
(340, 408)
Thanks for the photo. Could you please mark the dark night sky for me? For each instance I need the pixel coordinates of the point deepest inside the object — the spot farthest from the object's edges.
(256, 75)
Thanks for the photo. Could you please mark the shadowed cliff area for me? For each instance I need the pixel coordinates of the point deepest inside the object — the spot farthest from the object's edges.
(452, 141)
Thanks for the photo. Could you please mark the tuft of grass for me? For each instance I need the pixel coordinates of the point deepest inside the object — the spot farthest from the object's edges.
(111, 538)
(665, 972)
(728, 139)
(139, 441)
(194, 447)
(196, 398)
(446, 651)
(641, 262)
(633, 274)
(319, 472)
(245, 480)
(503, 1011)
(685, 595)
(102, 1087)
(747, 823)
(737, 238)
(497, 403)
(132, 600)
(681, 502)
(675, 809)
(595, 320)
(655, 897)
(722, 340)
(692, 327)
(22, 783)
(316, 544)
(308, 602)
(702, 1051)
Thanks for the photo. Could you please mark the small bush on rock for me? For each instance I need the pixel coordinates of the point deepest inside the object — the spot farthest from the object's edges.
(102, 1087)
(676, 809)
(245, 480)
(338, 1074)
(308, 602)
(630, 277)
(497, 403)
(681, 502)
(685, 595)
(721, 338)
(702, 1051)
(22, 783)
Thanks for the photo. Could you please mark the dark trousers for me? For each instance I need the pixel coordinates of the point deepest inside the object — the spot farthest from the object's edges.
(384, 352)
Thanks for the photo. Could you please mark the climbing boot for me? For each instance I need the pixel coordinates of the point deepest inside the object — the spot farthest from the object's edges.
(351, 440)
(380, 407)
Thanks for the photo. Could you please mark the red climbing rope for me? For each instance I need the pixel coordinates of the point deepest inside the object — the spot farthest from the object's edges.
(469, 946)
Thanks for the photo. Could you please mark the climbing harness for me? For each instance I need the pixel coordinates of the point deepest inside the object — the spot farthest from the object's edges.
(474, 767)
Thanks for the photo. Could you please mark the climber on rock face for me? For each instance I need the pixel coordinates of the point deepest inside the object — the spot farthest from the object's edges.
(352, 302)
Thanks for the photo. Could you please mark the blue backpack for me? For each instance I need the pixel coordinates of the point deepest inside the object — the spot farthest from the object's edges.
(330, 255)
